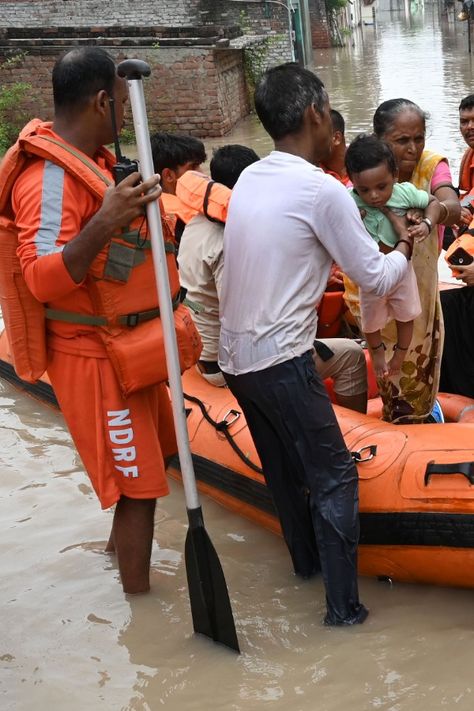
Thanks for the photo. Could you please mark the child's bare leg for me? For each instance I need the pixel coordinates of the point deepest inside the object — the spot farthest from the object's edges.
(404, 336)
(377, 353)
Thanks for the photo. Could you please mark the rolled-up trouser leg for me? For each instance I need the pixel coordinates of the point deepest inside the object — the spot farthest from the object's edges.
(292, 398)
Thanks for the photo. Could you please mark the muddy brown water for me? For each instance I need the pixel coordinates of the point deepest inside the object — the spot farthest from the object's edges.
(419, 56)
(69, 638)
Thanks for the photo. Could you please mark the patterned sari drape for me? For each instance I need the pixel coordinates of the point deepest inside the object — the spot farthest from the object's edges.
(410, 396)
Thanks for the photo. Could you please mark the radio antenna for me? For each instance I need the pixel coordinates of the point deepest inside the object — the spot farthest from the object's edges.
(118, 152)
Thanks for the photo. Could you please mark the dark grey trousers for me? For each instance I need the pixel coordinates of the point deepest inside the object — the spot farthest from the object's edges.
(310, 474)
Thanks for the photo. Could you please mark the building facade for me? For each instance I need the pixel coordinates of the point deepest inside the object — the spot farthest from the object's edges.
(205, 55)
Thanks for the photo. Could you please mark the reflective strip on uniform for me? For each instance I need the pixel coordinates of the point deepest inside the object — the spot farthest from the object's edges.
(51, 210)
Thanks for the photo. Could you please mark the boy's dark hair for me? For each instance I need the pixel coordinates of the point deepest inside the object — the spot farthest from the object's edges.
(467, 103)
(171, 150)
(229, 161)
(283, 94)
(367, 151)
(337, 121)
(80, 74)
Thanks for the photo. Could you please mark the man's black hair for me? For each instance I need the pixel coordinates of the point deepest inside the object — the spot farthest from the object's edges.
(282, 96)
(229, 161)
(337, 121)
(367, 151)
(171, 150)
(467, 103)
(79, 75)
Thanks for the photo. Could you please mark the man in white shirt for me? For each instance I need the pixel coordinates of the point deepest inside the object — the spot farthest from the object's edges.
(287, 223)
(201, 262)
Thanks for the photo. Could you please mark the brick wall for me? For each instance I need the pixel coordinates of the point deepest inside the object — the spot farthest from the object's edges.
(198, 90)
(43, 13)
(319, 24)
(256, 18)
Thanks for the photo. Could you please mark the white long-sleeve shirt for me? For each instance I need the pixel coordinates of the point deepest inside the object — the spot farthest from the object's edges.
(287, 222)
(200, 270)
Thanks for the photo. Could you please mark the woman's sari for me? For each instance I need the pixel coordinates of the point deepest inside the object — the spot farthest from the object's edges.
(410, 396)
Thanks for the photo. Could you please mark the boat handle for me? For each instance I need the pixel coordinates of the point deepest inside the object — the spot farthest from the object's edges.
(464, 468)
(224, 424)
(359, 457)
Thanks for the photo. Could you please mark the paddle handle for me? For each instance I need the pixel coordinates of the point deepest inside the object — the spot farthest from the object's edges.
(140, 122)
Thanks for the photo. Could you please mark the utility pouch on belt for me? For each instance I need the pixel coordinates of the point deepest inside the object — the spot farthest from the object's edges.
(137, 353)
(120, 262)
(135, 343)
(123, 292)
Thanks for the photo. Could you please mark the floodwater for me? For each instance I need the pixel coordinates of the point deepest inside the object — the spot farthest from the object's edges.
(70, 640)
(419, 56)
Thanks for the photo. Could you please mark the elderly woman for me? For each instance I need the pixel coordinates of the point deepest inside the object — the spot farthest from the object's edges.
(410, 396)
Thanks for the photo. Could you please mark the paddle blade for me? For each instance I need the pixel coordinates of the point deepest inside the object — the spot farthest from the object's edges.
(210, 604)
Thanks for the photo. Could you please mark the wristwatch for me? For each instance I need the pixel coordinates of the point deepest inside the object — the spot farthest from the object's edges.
(428, 222)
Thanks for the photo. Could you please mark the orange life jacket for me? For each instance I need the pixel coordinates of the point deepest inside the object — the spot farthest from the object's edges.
(175, 209)
(330, 309)
(465, 172)
(121, 281)
(199, 194)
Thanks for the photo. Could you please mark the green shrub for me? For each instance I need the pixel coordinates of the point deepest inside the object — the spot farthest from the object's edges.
(13, 114)
(127, 136)
(335, 5)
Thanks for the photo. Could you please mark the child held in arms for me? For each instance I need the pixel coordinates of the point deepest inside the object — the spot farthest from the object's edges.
(372, 169)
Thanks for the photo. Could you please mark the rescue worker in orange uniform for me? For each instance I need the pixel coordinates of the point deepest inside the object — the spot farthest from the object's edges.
(65, 233)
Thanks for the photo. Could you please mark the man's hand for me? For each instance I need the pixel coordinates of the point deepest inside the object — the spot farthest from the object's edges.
(466, 274)
(466, 216)
(415, 215)
(124, 202)
(336, 279)
(399, 222)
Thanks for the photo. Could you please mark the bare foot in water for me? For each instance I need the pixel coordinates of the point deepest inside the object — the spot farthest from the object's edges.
(379, 362)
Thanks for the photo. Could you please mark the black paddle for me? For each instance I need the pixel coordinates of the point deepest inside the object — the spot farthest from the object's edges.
(210, 604)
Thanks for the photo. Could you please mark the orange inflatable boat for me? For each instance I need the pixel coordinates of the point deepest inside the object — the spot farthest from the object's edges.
(416, 481)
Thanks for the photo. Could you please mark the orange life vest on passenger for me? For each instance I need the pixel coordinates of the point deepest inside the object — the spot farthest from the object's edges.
(199, 194)
(121, 295)
(175, 209)
(466, 172)
(330, 310)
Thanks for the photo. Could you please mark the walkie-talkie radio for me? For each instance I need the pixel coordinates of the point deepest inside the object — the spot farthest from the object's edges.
(124, 166)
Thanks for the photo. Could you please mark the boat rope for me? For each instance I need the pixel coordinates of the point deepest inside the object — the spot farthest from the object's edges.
(364, 454)
(223, 426)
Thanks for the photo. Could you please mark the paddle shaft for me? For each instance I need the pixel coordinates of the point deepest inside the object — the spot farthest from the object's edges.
(140, 122)
(210, 604)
